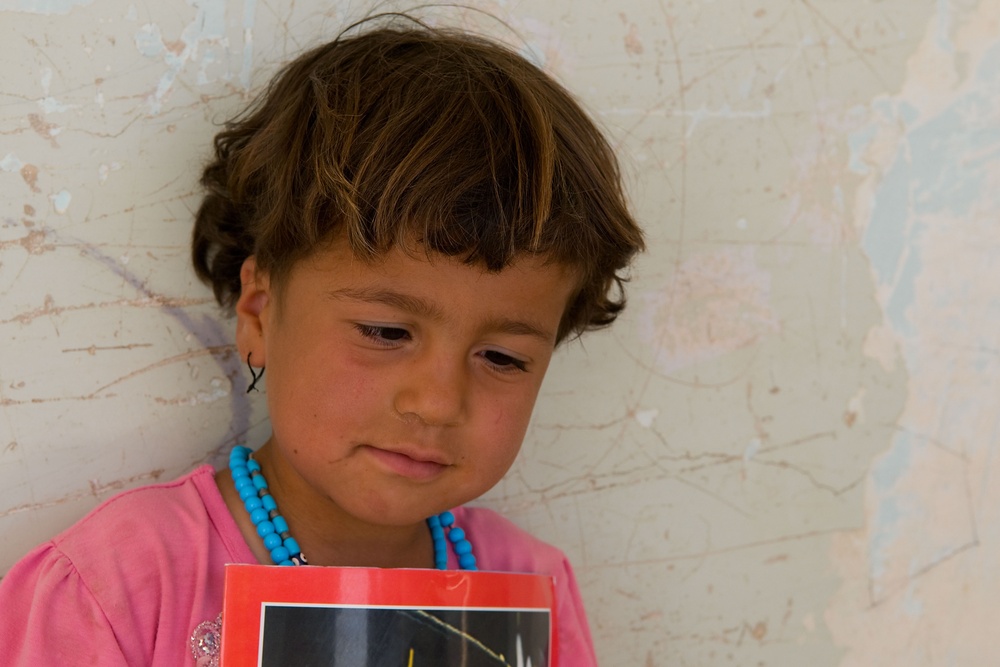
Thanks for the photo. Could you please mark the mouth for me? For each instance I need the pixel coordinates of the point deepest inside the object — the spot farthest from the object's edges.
(418, 467)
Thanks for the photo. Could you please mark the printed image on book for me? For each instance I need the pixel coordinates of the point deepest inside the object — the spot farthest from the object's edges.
(351, 636)
(363, 617)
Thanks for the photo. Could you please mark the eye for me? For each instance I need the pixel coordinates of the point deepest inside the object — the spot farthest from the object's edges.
(504, 362)
(386, 336)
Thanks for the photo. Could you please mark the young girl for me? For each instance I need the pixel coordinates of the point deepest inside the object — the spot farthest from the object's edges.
(406, 225)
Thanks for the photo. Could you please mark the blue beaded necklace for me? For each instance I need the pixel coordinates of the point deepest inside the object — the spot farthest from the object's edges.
(273, 529)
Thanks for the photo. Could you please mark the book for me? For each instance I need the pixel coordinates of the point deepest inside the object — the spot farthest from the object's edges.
(365, 617)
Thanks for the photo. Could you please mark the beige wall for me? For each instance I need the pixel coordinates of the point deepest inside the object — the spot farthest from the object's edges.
(782, 455)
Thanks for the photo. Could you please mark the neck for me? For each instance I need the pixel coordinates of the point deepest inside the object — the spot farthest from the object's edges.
(328, 535)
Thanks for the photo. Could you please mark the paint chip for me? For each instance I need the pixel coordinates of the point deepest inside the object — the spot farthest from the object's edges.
(10, 162)
(61, 200)
(646, 417)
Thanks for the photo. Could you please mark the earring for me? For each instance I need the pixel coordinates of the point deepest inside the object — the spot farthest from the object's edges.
(254, 374)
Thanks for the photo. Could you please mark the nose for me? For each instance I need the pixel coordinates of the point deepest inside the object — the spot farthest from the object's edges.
(432, 389)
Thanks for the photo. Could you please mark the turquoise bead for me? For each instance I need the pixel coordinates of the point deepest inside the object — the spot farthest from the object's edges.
(271, 526)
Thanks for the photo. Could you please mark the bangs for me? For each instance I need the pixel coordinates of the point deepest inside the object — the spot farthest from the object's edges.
(461, 158)
(419, 134)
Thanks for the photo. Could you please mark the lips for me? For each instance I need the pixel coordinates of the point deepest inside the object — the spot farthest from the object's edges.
(412, 465)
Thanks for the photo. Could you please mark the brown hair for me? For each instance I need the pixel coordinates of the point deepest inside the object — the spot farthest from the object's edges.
(418, 133)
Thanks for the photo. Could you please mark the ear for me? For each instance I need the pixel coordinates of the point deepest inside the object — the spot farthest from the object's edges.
(251, 313)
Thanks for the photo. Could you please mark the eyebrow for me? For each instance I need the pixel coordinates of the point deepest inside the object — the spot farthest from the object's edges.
(423, 308)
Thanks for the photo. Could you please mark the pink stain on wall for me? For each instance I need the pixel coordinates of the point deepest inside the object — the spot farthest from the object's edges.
(717, 302)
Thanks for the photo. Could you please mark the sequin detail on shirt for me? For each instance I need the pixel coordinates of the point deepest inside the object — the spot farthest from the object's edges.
(206, 643)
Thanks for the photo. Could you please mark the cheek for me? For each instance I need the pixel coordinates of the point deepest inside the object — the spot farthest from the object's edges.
(507, 428)
(319, 398)
(357, 389)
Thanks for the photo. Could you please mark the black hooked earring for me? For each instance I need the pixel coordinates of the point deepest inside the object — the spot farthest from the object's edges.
(254, 374)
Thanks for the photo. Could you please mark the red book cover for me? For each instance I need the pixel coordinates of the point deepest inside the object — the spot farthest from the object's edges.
(367, 617)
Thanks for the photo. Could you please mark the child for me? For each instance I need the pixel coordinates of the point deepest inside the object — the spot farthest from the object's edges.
(406, 224)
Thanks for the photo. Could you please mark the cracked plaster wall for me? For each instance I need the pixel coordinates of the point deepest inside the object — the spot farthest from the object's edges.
(783, 453)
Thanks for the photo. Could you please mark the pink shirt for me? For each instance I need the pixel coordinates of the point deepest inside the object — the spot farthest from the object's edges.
(130, 582)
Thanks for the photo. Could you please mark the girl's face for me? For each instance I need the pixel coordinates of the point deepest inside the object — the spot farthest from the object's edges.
(399, 389)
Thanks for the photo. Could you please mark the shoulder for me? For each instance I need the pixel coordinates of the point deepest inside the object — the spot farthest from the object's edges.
(162, 528)
(503, 546)
(127, 578)
(142, 541)
(140, 519)
(49, 616)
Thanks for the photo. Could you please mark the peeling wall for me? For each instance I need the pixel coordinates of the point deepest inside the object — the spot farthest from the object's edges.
(780, 456)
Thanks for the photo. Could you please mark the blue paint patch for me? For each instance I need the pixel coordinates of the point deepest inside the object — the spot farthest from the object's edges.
(50, 7)
(209, 25)
(61, 200)
(885, 107)
(896, 461)
(904, 294)
(909, 113)
(884, 532)
(942, 34)
(912, 605)
(858, 142)
(885, 239)
(10, 162)
(838, 197)
(890, 514)
(984, 160)
(210, 22)
(249, 18)
(944, 182)
(533, 55)
(983, 363)
(942, 167)
(149, 41)
(206, 60)
(989, 67)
